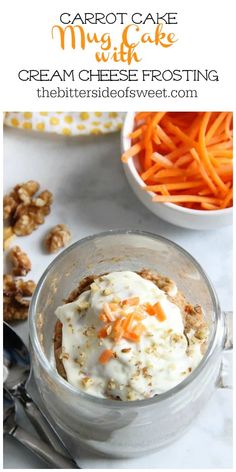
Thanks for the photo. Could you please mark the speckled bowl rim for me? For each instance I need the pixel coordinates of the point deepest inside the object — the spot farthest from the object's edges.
(216, 339)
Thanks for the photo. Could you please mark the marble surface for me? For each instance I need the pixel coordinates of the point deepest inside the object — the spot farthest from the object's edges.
(92, 195)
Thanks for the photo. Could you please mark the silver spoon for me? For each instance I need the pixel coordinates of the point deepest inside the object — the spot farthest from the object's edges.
(17, 370)
(37, 446)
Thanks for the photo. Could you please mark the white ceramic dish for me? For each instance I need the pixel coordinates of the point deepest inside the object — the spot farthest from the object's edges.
(179, 216)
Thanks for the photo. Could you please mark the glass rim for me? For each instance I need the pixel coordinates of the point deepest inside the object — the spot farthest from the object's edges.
(114, 404)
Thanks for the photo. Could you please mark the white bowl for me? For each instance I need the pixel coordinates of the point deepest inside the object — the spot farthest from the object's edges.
(175, 214)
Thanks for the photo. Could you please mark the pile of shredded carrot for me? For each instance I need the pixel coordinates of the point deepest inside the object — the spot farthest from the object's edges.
(119, 324)
(185, 158)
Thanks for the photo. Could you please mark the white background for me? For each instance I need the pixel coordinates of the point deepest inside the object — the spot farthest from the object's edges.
(206, 37)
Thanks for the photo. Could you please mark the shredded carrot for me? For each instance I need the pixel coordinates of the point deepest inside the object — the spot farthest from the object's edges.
(108, 313)
(131, 336)
(131, 301)
(139, 316)
(151, 124)
(169, 173)
(163, 136)
(113, 306)
(179, 186)
(215, 125)
(118, 329)
(139, 329)
(103, 317)
(136, 133)
(148, 173)
(228, 121)
(161, 160)
(156, 310)
(204, 154)
(105, 356)
(227, 199)
(132, 152)
(127, 324)
(209, 206)
(160, 314)
(150, 309)
(185, 158)
(102, 333)
(185, 198)
(203, 171)
(129, 321)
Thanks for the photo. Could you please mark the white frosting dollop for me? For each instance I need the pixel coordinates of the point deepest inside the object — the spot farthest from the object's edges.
(156, 363)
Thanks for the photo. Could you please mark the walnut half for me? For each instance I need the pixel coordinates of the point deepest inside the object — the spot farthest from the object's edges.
(16, 294)
(58, 237)
(24, 209)
(20, 260)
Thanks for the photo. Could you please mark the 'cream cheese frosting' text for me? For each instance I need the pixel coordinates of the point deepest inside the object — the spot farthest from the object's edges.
(123, 338)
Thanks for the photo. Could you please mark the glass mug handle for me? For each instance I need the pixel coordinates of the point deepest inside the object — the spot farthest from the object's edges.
(225, 376)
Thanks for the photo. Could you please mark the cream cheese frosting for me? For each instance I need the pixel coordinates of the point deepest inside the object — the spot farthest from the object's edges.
(136, 366)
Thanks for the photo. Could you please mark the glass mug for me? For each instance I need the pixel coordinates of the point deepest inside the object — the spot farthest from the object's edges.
(121, 428)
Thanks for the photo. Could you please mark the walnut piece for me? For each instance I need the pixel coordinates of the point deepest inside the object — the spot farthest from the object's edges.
(24, 225)
(15, 305)
(9, 206)
(20, 260)
(194, 320)
(162, 282)
(26, 210)
(8, 236)
(58, 237)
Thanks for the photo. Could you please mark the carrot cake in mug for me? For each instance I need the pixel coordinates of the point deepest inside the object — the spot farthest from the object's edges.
(128, 336)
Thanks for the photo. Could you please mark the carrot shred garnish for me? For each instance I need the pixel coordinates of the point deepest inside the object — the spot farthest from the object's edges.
(160, 314)
(131, 336)
(177, 151)
(139, 329)
(118, 325)
(150, 309)
(131, 301)
(113, 306)
(105, 356)
(103, 317)
(102, 333)
(129, 321)
(118, 334)
(108, 313)
(155, 310)
(139, 316)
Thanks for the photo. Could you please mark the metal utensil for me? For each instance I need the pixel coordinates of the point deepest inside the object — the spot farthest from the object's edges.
(37, 446)
(17, 370)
